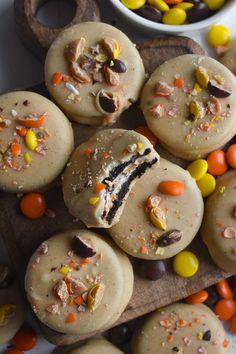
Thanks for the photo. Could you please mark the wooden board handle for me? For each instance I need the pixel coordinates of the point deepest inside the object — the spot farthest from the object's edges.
(38, 37)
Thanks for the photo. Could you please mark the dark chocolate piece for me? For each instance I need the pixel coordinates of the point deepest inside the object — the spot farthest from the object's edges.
(207, 336)
(82, 248)
(169, 237)
(217, 90)
(152, 270)
(116, 65)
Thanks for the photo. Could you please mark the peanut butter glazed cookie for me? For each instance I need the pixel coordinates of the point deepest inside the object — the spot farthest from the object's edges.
(93, 72)
(78, 283)
(219, 223)
(36, 140)
(162, 214)
(96, 346)
(101, 173)
(188, 104)
(181, 329)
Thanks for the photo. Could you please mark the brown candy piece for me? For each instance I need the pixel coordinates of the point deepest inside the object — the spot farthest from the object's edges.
(82, 248)
(169, 237)
(217, 90)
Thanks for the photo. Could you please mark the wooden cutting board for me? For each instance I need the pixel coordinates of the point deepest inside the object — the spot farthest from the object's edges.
(22, 235)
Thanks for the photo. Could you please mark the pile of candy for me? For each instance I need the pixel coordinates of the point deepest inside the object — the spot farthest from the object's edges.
(174, 12)
(216, 164)
(221, 298)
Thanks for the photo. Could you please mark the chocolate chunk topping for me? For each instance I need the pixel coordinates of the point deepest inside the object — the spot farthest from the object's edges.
(151, 270)
(82, 248)
(116, 65)
(169, 237)
(217, 90)
(207, 336)
(108, 103)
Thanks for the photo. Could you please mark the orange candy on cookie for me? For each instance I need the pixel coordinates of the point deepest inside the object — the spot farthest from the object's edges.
(173, 188)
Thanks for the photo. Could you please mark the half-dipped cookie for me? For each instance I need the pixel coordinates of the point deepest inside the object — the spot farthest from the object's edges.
(101, 173)
(181, 329)
(36, 140)
(219, 223)
(188, 103)
(93, 72)
(77, 282)
(162, 214)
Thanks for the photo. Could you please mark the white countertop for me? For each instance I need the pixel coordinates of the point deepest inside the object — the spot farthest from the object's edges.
(19, 69)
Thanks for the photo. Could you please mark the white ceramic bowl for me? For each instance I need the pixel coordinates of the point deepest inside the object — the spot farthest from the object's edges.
(154, 27)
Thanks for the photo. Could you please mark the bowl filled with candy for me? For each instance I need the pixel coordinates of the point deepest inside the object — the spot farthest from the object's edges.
(173, 16)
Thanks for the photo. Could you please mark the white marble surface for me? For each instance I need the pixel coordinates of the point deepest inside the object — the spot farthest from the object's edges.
(19, 68)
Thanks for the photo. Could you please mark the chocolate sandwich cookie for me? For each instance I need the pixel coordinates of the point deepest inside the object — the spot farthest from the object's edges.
(181, 329)
(93, 72)
(188, 103)
(77, 282)
(219, 223)
(36, 140)
(101, 173)
(162, 214)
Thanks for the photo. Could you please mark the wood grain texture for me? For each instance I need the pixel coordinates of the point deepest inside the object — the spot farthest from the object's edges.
(37, 37)
(22, 236)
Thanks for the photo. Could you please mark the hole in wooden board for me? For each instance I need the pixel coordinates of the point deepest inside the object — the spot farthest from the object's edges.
(55, 13)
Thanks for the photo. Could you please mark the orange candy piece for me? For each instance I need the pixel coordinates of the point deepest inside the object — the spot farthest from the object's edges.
(25, 338)
(217, 164)
(100, 187)
(225, 309)
(173, 188)
(178, 82)
(21, 131)
(70, 318)
(32, 122)
(145, 131)
(57, 78)
(231, 155)
(33, 205)
(233, 324)
(197, 298)
(15, 149)
(223, 289)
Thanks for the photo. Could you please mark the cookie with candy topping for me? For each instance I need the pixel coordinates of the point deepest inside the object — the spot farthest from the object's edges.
(181, 329)
(162, 214)
(101, 173)
(36, 140)
(219, 223)
(93, 72)
(188, 103)
(78, 282)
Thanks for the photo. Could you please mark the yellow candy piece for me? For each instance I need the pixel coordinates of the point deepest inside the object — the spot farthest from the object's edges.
(65, 269)
(4, 310)
(133, 4)
(185, 264)
(206, 184)
(158, 218)
(184, 5)
(116, 51)
(174, 16)
(202, 76)
(27, 158)
(218, 35)
(195, 109)
(160, 5)
(214, 4)
(198, 169)
(93, 200)
(31, 140)
(139, 146)
(197, 88)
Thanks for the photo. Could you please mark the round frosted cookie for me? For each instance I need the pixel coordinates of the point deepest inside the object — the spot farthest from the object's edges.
(12, 312)
(219, 223)
(155, 225)
(96, 346)
(188, 104)
(93, 72)
(36, 140)
(181, 328)
(101, 173)
(229, 56)
(78, 283)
